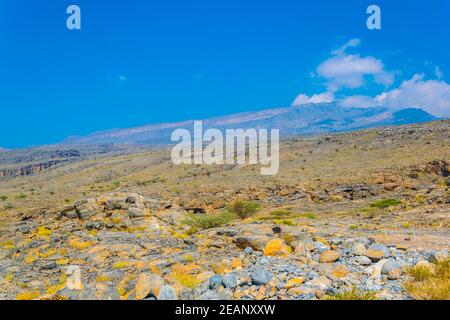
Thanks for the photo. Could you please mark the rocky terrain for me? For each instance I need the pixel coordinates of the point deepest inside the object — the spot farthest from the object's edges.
(359, 215)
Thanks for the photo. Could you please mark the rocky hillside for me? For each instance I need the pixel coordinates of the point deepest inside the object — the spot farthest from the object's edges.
(360, 215)
(300, 120)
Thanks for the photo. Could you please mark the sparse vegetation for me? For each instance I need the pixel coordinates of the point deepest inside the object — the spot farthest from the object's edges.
(287, 222)
(20, 196)
(182, 275)
(208, 221)
(43, 232)
(429, 284)
(243, 209)
(280, 213)
(120, 265)
(309, 215)
(78, 244)
(8, 206)
(385, 203)
(354, 294)
(30, 295)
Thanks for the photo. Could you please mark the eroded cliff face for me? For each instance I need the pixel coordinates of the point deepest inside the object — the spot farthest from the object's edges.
(29, 169)
(22, 163)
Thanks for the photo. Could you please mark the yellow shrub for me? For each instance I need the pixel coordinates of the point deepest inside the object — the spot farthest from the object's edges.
(43, 232)
(120, 265)
(426, 284)
(182, 275)
(78, 244)
(30, 295)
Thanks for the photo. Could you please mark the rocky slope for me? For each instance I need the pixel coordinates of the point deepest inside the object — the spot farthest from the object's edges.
(348, 215)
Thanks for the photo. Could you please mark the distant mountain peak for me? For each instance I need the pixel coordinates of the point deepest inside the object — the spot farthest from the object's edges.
(296, 120)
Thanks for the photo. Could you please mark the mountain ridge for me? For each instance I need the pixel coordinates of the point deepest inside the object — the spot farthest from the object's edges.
(297, 120)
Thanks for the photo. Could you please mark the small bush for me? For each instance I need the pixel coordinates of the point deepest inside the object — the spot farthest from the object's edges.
(429, 284)
(182, 275)
(208, 221)
(30, 295)
(243, 209)
(286, 222)
(280, 213)
(78, 244)
(354, 294)
(3, 198)
(43, 232)
(21, 196)
(120, 265)
(288, 238)
(385, 203)
(8, 206)
(308, 215)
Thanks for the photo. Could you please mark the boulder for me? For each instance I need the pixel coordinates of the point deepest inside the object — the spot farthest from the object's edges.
(148, 284)
(261, 277)
(390, 265)
(167, 293)
(277, 247)
(329, 256)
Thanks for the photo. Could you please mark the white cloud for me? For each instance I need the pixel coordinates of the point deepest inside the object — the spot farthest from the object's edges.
(350, 44)
(344, 70)
(325, 97)
(122, 78)
(359, 102)
(432, 96)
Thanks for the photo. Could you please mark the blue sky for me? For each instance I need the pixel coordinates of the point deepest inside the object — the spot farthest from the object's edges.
(142, 62)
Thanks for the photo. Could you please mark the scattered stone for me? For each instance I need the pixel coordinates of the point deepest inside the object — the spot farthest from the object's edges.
(277, 247)
(229, 281)
(358, 249)
(437, 256)
(74, 278)
(294, 282)
(374, 255)
(380, 247)
(215, 281)
(321, 283)
(329, 256)
(390, 265)
(363, 260)
(395, 274)
(261, 277)
(49, 265)
(167, 293)
(148, 284)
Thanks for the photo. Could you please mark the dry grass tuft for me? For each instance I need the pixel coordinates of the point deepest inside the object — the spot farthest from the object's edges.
(427, 284)
(354, 294)
(182, 275)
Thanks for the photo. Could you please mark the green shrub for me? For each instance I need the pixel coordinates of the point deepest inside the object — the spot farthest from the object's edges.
(3, 198)
(21, 196)
(286, 222)
(243, 209)
(429, 283)
(354, 294)
(8, 206)
(308, 215)
(385, 203)
(280, 213)
(208, 221)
